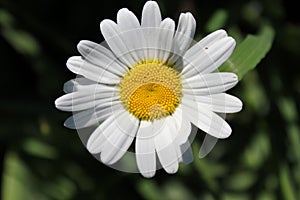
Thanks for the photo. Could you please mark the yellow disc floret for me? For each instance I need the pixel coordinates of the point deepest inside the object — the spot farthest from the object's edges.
(151, 90)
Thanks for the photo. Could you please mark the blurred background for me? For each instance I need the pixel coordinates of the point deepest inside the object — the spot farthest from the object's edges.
(41, 159)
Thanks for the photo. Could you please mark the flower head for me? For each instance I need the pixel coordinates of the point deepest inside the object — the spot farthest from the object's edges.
(150, 84)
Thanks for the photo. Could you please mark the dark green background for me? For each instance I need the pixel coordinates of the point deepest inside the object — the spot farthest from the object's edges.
(41, 159)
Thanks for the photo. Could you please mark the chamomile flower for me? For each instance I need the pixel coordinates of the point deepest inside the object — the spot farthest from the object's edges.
(147, 85)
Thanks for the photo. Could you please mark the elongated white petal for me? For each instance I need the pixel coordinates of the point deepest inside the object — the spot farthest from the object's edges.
(92, 116)
(77, 101)
(207, 145)
(193, 52)
(99, 136)
(165, 39)
(151, 16)
(185, 31)
(186, 153)
(117, 144)
(84, 84)
(115, 39)
(95, 73)
(205, 119)
(184, 36)
(101, 57)
(145, 148)
(208, 58)
(221, 103)
(183, 126)
(150, 23)
(165, 148)
(132, 34)
(180, 130)
(79, 84)
(211, 83)
(219, 52)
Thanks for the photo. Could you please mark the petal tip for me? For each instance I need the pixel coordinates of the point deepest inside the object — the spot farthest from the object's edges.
(151, 4)
(90, 146)
(148, 174)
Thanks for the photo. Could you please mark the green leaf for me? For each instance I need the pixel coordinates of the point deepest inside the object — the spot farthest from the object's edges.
(286, 183)
(217, 20)
(150, 190)
(18, 182)
(40, 149)
(241, 181)
(249, 52)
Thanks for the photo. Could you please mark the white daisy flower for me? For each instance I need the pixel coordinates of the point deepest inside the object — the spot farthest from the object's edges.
(150, 84)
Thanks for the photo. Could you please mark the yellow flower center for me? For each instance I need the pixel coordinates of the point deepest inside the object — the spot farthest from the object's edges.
(151, 90)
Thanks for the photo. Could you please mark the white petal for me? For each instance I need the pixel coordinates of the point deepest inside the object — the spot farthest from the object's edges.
(150, 23)
(205, 119)
(208, 58)
(82, 100)
(117, 144)
(132, 34)
(151, 36)
(165, 148)
(181, 133)
(185, 30)
(184, 36)
(183, 126)
(165, 39)
(206, 41)
(221, 103)
(79, 84)
(115, 39)
(186, 153)
(127, 20)
(219, 52)
(208, 144)
(92, 116)
(206, 84)
(95, 73)
(99, 136)
(151, 16)
(145, 149)
(101, 56)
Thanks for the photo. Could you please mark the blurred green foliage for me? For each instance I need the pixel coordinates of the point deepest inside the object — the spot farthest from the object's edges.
(40, 159)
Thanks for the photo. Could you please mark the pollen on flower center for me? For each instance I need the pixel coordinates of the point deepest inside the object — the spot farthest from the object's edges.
(151, 90)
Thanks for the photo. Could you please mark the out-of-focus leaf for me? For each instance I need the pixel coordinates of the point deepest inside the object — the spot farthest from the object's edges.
(266, 196)
(206, 196)
(252, 11)
(286, 183)
(257, 150)
(150, 190)
(18, 182)
(5, 18)
(79, 176)
(61, 188)
(217, 20)
(271, 182)
(177, 191)
(252, 92)
(234, 196)
(249, 52)
(44, 126)
(294, 138)
(39, 149)
(240, 181)
(22, 41)
(206, 170)
(288, 109)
